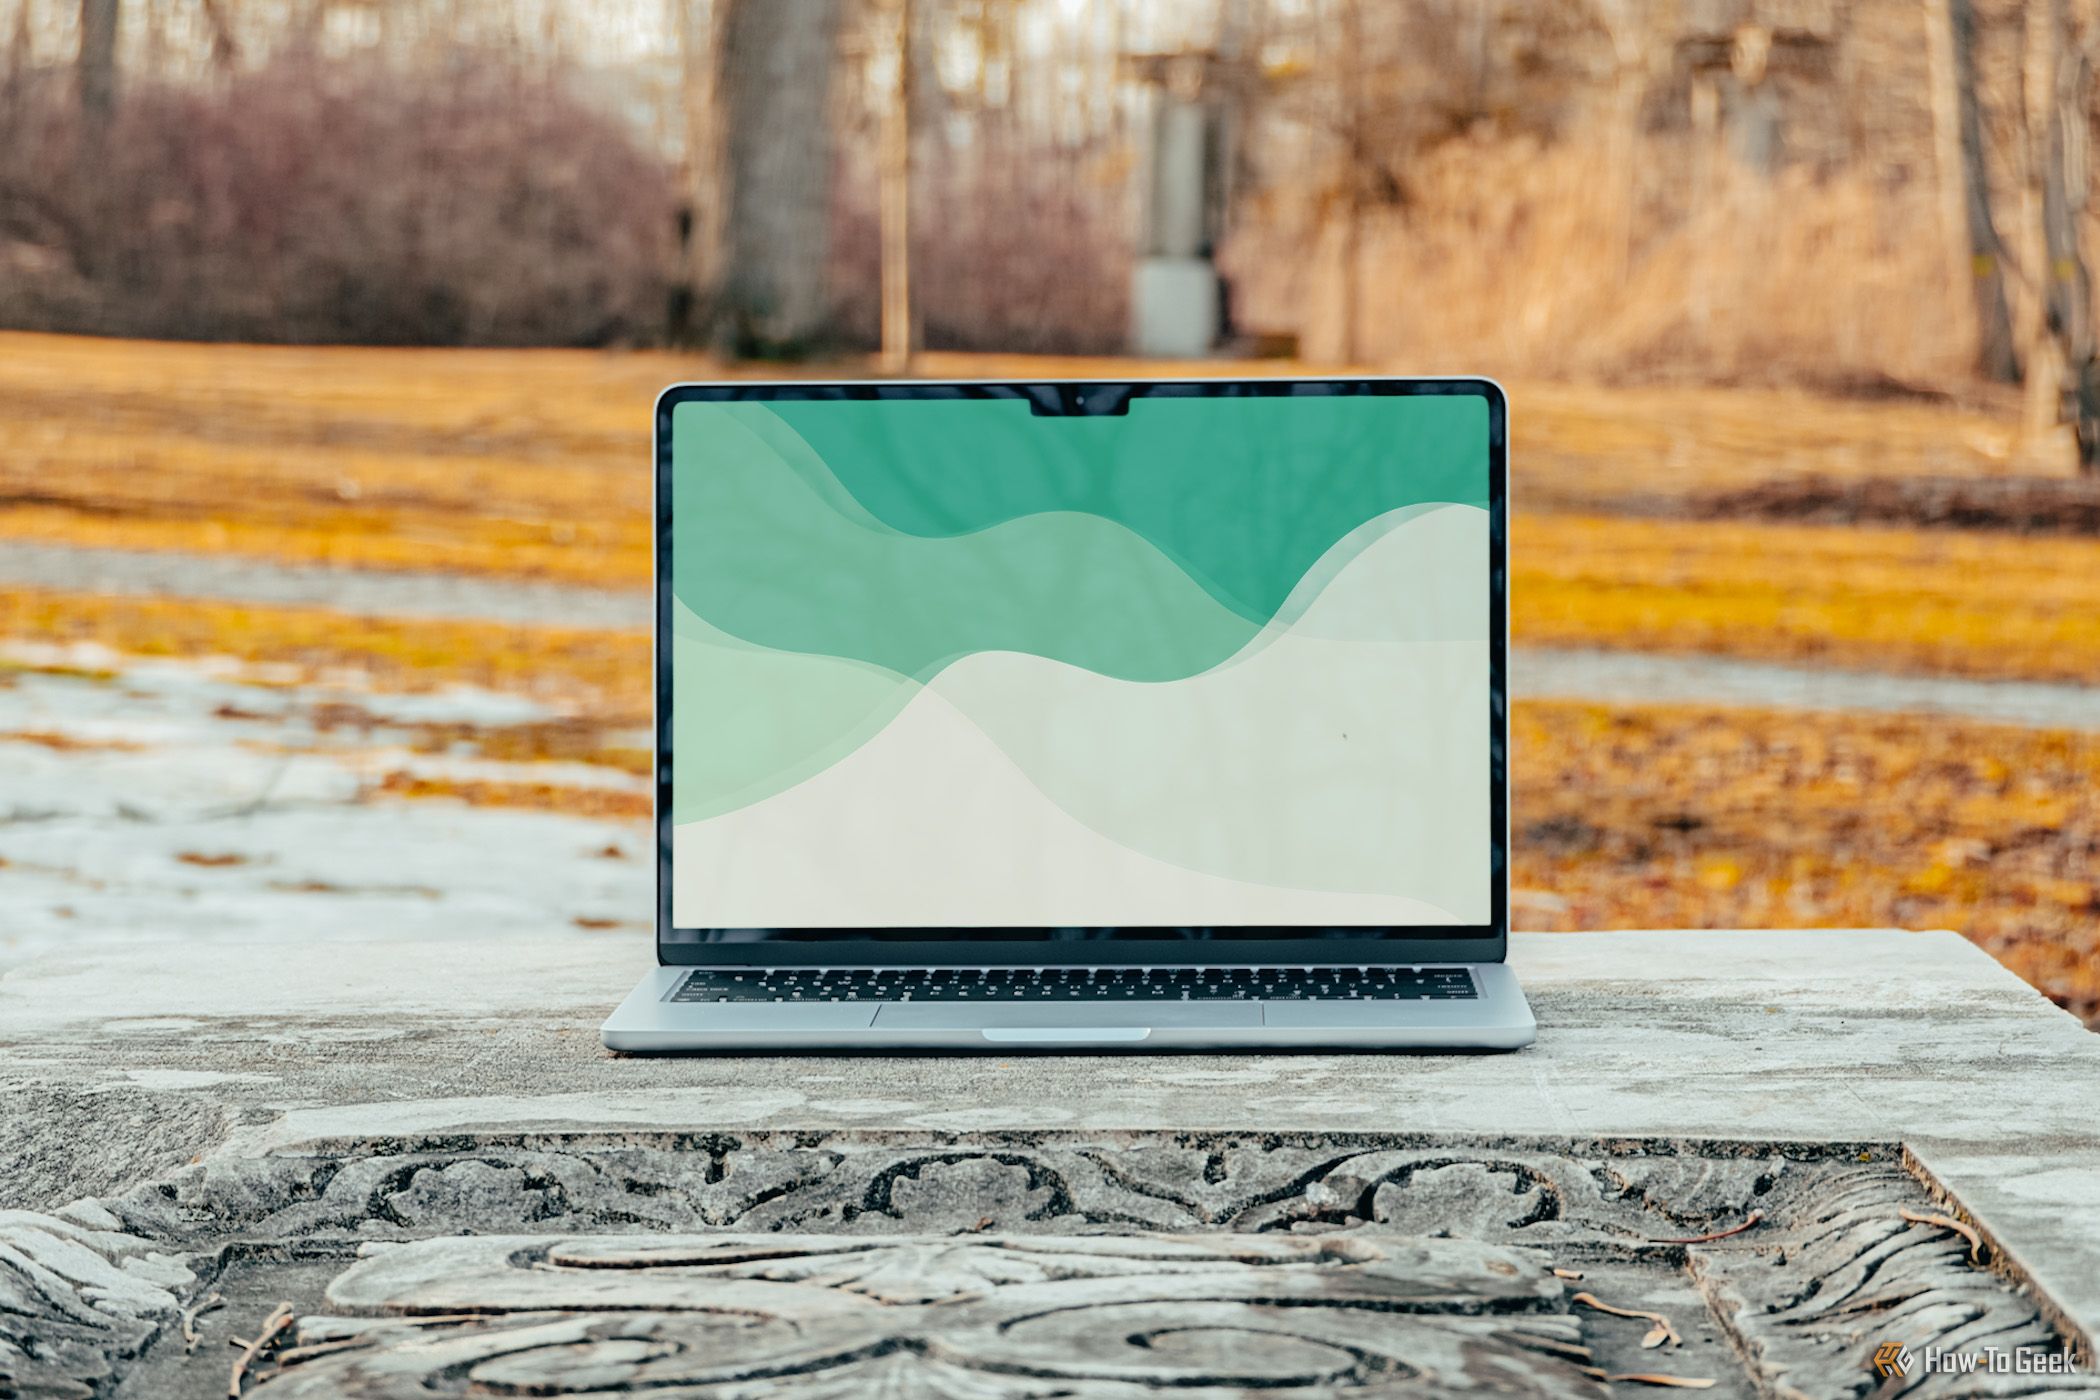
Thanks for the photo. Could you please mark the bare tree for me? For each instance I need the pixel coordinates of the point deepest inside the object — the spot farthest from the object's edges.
(896, 193)
(1974, 248)
(225, 45)
(1356, 139)
(773, 72)
(703, 196)
(98, 59)
(1627, 24)
(18, 52)
(2058, 80)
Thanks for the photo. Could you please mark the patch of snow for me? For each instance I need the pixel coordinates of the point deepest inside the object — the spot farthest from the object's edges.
(229, 814)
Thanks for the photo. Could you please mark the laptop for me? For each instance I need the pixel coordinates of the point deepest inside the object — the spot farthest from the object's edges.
(1160, 715)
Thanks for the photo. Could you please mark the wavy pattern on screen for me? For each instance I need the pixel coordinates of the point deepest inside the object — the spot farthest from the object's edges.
(1142, 559)
(1147, 767)
(846, 615)
(1215, 484)
(766, 719)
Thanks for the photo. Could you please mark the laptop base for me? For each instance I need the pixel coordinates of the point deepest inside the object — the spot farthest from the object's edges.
(651, 1021)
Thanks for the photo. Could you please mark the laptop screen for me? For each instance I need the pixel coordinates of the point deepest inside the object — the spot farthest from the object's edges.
(1185, 658)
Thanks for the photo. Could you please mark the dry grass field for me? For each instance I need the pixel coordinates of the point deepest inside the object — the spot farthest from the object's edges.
(1667, 816)
(526, 464)
(1935, 602)
(533, 465)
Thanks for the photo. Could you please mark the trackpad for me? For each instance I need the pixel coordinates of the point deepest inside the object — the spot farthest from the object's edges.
(1044, 1016)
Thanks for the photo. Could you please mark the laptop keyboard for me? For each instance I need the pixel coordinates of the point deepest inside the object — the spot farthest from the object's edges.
(814, 984)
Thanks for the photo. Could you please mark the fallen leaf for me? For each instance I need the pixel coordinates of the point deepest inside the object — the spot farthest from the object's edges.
(1748, 1221)
(1948, 1222)
(1662, 1324)
(69, 743)
(300, 1355)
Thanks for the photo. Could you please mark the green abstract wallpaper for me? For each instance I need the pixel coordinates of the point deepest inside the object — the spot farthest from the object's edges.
(955, 664)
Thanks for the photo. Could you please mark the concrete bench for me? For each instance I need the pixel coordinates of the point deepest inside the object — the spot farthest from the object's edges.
(1746, 1158)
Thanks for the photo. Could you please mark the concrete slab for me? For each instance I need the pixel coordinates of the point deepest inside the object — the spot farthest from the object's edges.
(126, 1061)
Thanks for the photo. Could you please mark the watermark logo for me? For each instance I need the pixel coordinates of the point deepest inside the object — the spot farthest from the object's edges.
(1895, 1361)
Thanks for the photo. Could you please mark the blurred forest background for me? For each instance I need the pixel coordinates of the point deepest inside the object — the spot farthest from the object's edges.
(1793, 297)
(1877, 195)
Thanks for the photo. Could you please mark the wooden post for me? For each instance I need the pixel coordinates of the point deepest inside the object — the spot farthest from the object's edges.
(896, 198)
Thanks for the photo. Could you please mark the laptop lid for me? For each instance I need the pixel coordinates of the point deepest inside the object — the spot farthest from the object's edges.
(1085, 672)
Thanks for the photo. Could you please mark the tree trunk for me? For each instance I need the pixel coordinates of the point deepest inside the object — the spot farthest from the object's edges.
(98, 59)
(1965, 191)
(1353, 62)
(773, 72)
(1706, 136)
(704, 187)
(1626, 24)
(2057, 80)
(225, 45)
(18, 55)
(896, 197)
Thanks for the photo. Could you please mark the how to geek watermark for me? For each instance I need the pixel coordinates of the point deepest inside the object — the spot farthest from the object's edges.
(1893, 1359)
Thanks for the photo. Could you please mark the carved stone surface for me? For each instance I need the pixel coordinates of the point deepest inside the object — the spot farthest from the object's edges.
(1853, 1273)
(940, 1316)
(1007, 1264)
(850, 1183)
(460, 1033)
(76, 1296)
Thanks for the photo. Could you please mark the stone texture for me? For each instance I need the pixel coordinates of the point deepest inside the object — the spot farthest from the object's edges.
(1593, 1196)
(939, 1315)
(76, 1299)
(357, 1092)
(1004, 1264)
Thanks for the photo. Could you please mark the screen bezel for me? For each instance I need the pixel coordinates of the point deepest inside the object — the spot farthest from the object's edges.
(1366, 945)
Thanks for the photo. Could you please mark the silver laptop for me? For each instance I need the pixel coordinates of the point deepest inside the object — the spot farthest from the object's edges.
(1084, 715)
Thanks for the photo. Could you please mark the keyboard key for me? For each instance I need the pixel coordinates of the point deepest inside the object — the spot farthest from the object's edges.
(863, 984)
